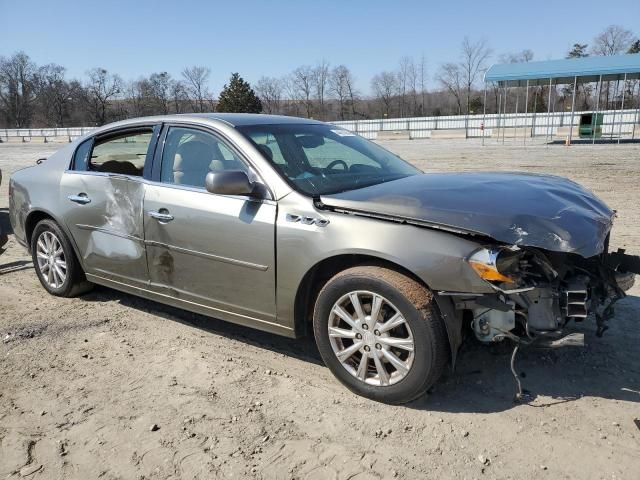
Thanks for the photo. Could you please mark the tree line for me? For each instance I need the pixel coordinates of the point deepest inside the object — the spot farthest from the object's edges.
(34, 95)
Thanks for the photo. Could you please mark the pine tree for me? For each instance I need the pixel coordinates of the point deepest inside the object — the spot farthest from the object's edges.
(579, 50)
(238, 97)
(635, 47)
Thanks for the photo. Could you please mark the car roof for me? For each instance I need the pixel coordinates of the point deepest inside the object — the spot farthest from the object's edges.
(245, 119)
(232, 119)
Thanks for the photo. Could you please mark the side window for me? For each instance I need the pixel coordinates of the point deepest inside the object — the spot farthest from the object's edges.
(190, 154)
(269, 147)
(124, 154)
(81, 157)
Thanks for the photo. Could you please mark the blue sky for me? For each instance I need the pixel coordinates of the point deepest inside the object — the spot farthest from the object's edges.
(271, 38)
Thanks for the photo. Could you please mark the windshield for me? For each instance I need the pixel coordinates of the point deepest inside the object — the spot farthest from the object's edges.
(323, 159)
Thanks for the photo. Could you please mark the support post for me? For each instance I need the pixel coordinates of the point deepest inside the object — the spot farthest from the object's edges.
(484, 113)
(636, 117)
(526, 112)
(548, 115)
(594, 127)
(624, 90)
(613, 120)
(573, 107)
(505, 112)
(515, 121)
(499, 114)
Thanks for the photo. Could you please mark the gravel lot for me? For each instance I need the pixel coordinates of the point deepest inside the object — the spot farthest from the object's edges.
(111, 386)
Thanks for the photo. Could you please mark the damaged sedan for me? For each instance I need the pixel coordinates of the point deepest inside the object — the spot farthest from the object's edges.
(298, 227)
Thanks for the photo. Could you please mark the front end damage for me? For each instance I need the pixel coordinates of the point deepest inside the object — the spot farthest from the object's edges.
(537, 292)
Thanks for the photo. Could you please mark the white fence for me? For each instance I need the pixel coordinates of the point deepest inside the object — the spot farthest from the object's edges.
(43, 134)
(616, 124)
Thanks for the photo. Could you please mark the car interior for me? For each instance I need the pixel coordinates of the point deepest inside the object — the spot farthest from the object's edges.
(189, 155)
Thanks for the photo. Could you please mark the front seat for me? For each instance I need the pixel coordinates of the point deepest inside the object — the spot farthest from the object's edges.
(192, 163)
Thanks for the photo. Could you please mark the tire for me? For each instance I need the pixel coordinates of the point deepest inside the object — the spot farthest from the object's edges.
(68, 279)
(403, 298)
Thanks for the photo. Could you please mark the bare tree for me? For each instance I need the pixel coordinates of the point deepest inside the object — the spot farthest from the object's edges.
(422, 75)
(18, 86)
(179, 95)
(136, 92)
(385, 88)
(320, 80)
(340, 86)
(452, 78)
(302, 83)
(196, 88)
(473, 64)
(101, 89)
(269, 89)
(55, 94)
(160, 92)
(523, 56)
(614, 40)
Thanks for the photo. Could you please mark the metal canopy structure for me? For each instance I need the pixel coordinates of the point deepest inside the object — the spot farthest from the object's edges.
(572, 72)
(587, 69)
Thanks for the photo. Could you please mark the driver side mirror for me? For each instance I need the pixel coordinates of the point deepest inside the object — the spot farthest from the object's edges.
(229, 182)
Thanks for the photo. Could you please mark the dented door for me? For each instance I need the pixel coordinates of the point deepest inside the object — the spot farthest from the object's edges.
(104, 215)
(216, 251)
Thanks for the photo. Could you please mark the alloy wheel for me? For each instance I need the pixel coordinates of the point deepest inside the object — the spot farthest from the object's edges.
(51, 260)
(371, 338)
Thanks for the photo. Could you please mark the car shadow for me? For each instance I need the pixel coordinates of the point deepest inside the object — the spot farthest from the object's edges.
(15, 266)
(5, 224)
(482, 381)
(303, 349)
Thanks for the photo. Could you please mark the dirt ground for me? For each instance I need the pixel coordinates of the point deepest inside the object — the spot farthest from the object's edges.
(111, 386)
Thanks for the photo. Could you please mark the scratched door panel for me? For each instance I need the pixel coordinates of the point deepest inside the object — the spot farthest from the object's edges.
(217, 250)
(108, 230)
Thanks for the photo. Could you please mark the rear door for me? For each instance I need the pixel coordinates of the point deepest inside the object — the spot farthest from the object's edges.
(103, 192)
(215, 251)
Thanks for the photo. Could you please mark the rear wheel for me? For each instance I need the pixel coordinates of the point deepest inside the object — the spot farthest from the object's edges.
(380, 334)
(55, 261)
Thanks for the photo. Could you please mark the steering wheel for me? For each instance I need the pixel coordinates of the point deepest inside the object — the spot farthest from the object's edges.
(338, 162)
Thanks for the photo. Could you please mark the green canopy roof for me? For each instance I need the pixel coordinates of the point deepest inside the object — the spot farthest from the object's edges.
(587, 69)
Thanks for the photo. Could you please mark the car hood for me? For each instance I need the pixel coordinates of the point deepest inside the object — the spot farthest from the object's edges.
(542, 211)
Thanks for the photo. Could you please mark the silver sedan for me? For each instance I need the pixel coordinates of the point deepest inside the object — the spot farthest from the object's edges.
(294, 226)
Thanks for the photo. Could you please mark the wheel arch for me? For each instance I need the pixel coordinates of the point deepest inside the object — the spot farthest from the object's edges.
(320, 273)
(38, 214)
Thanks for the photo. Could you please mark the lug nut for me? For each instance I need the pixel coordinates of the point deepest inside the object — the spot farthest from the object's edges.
(358, 336)
(378, 346)
(376, 333)
(365, 326)
(366, 348)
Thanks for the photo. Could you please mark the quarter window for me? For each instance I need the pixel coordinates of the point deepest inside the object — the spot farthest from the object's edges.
(190, 154)
(81, 157)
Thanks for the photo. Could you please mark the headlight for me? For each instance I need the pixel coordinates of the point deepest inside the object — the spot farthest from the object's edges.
(486, 263)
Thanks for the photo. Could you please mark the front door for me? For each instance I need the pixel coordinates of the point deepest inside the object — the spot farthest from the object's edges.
(103, 193)
(214, 251)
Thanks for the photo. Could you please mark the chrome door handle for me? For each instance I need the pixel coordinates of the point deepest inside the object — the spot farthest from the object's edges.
(81, 198)
(160, 216)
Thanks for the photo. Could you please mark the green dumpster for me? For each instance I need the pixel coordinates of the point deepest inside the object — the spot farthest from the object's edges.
(590, 124)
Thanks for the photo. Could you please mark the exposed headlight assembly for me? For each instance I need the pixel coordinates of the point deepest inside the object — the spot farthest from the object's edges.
(499, 267)
(487, 262)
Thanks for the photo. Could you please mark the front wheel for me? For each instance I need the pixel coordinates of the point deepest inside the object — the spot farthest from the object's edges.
(380, 333)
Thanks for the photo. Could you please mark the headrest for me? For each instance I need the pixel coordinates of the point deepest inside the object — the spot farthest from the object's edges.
(266, 151)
